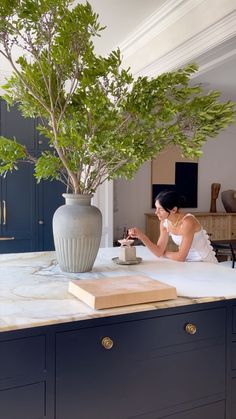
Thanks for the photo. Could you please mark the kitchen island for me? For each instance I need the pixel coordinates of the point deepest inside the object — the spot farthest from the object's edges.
(60, 359)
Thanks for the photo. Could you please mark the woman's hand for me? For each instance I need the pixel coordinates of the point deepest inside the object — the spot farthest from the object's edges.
(135, 232)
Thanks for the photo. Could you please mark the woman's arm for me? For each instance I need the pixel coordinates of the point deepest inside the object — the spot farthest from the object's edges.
(157, 249)
(187, 231)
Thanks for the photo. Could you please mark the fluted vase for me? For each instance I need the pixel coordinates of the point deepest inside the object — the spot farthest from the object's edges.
(77, 230)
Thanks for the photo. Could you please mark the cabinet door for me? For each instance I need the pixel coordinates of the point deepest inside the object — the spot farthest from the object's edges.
(220, 227)
(41, 142)
(14, 125)
(26, 402)
(49, 199)
(233, 226)
(18, 211)
(212, 411)
(153, 367)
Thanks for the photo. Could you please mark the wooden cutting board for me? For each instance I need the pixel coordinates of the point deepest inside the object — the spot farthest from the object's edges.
(120, 291)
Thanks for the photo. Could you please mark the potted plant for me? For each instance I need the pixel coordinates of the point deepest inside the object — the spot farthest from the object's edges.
(100, 123)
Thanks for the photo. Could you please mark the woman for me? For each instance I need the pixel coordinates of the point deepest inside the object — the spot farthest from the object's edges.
(185, 230)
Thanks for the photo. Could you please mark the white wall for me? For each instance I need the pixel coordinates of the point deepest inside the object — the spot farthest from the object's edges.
(218, 164)
(177, 29)
(132, 199)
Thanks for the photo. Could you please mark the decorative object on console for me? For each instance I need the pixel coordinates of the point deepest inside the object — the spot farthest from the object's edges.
(100, 122)
(229, 200)
(215, 189)
(121, 291)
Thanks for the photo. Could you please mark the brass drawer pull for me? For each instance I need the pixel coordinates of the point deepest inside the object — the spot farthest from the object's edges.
(6, 238)
(190, 328)
(107, 342)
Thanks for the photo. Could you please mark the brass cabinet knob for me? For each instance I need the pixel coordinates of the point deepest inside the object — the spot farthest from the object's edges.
(107, 342)
(190, 328)
(41, 222)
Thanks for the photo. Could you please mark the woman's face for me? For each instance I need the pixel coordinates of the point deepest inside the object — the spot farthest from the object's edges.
(160, 212)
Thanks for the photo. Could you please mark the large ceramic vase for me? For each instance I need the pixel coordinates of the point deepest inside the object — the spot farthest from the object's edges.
(77, 230)
(229, 200)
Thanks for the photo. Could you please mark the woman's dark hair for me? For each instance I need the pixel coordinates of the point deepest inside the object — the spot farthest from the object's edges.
(170, 199)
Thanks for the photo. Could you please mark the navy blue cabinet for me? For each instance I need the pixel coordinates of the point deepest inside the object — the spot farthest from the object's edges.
(155, 368)
(49, 198)
(14, 125)
(26, 208)
(23, 377)
(17, 210)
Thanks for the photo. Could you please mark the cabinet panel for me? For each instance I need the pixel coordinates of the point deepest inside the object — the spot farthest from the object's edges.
(233, 399)
(233, 363)
(26, 208)
(27, 402)
(220, 227)
(234, 320)
(21, 358)
(18, 211)
(153, 365)
(212, 411)
(233, 226)
(49, 199)
(14, 125)
(41, 142)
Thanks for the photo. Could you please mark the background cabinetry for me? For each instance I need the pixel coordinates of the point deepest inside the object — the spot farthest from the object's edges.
(219, 226)
(26, 208)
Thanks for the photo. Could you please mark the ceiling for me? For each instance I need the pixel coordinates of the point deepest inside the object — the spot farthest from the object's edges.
(221, 78)
(122, 17)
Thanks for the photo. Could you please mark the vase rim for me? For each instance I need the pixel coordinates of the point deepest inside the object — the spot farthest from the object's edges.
(76, 195)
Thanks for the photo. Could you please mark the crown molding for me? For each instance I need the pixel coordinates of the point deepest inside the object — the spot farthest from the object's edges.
(215, 62)
(215, 35)
(157, 22)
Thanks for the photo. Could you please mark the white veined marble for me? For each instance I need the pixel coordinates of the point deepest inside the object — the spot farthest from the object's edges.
(33, 289)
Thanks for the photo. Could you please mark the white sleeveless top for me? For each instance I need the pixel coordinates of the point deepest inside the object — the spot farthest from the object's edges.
(200, 250)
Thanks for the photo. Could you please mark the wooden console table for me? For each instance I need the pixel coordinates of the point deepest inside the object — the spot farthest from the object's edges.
(219, 225)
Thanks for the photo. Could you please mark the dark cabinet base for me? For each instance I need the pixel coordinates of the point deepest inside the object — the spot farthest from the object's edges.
(154, 370)
(27, 402)
(212, 411)
(153, 366)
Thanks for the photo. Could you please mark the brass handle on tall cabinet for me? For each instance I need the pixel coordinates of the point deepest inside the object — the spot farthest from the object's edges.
(190, 328)
(0, 213)
(4, 213)
(107, 342)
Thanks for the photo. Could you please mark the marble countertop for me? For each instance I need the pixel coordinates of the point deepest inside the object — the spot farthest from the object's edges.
(34, 291)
